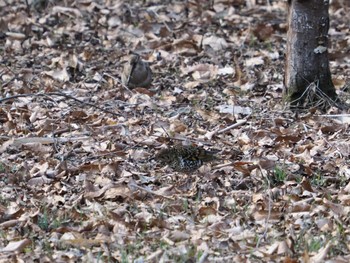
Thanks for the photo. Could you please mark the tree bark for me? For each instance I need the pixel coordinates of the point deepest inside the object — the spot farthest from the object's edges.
(307, 55)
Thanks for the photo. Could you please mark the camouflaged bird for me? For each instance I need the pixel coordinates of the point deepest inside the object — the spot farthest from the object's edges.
(186, 159)
(136, 73)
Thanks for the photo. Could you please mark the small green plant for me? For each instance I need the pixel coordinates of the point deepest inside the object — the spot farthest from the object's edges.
(46, 247)
(269, 46)
(343, 180)
(185, 204)
(162, 244)
(3, 200)
(286, 98)
(318, 180)
(43, 220)
(315, 244)
(124, 258)
(279, 175)
(298, 179)
(199, 254)
(341, 229)
(28, 249)
(252, 41)
(2, 168)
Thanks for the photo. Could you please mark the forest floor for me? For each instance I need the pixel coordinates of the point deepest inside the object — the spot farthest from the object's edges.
(78, 178)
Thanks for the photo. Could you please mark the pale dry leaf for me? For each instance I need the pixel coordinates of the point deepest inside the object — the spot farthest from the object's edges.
(67, 11)
(216, 43)
(254, 61)
(337, 209)
(178, 236)
(272, 249)
(38, 181)
(15, 36)
(58, 74)
(192, 84)
(117, 191)
(9, 223)
(283, 248)
(232, 109)
(246, 234)
(16, 246)
(226, 71)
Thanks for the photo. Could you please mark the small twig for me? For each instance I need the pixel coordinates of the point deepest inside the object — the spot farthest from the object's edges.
(132, 183)
(164, 23)
(153, 256)
(118, 81)
(222, 259)
(233, 126)
(83, 103)
(219, 166)
(334, 115)
(165, 131)
(184, 139)
(333, 146)
(47, 140)
(62, 95)
(7, 82)
(27, 7)
(17, 142)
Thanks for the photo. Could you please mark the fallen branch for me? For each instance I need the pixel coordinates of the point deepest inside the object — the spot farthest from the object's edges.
(61, 95)
(17, 142)
(196, 141)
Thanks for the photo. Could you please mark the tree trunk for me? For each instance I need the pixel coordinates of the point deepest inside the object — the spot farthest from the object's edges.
(307, 55)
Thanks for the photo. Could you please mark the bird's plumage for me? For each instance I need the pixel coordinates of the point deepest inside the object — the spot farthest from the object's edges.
(185, 159)
(136, 73)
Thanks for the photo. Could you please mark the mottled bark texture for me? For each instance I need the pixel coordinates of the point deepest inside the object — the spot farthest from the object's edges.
(307, 55)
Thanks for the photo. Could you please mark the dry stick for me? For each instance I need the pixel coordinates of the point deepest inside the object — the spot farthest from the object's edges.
(165, 131)
(132, 183)
(42, 140)
(332, 116)
(232, 126)
(183, 139)
(62, 95)
(219, 166)
(46, 140)
(222, 259)
(117, 80)
(27, 8)
(7, 82)
(164, 23)
(333, 146)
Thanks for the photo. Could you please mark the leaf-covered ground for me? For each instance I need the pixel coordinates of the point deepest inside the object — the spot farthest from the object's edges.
(78, 178)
